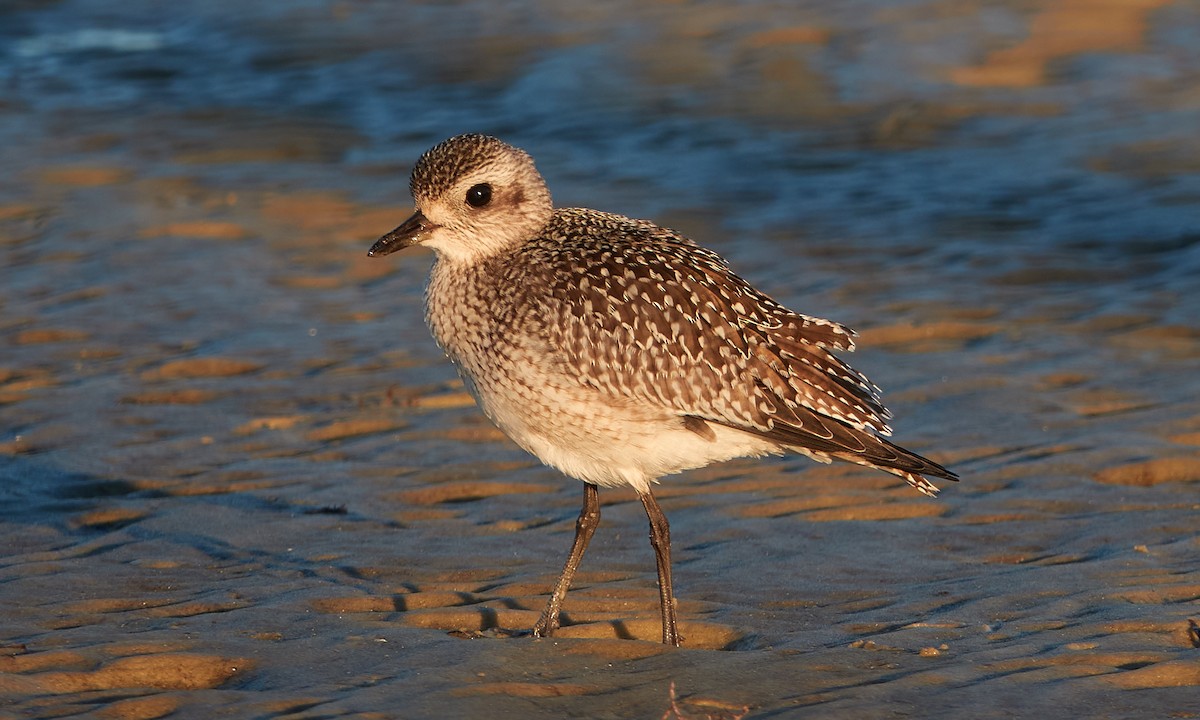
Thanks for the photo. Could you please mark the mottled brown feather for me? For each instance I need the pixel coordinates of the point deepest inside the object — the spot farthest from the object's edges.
(665, 321)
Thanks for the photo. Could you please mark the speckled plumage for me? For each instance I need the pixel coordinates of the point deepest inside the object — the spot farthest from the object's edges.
(619, 351)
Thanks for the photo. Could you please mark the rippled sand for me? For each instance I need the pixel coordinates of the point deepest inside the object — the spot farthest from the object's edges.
(237, 478)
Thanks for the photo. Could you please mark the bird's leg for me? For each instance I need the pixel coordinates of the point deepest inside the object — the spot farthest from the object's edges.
(585, 527)
(660, 540)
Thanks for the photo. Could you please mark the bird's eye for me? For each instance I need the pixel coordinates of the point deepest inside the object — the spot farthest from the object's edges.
(479, 195)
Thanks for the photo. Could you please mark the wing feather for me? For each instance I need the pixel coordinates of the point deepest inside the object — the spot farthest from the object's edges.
(660, 320)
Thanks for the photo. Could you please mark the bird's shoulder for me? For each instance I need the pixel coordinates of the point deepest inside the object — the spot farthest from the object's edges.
(610, 270)
(637, 310)
(591, 239)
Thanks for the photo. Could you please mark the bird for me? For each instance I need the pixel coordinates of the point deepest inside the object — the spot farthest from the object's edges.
(619, 352)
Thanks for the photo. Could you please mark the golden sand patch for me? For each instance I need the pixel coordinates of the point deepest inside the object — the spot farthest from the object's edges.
(160, 564)
(1161, 595)
(342, 429)
(327, 212)
(278, 422)
(504, 527)
(701, 635)
(35, 661)
(1098, 659)
(469, 618)
(925, 337)
(110, 605)
(1173, 673)
(43, 336)
(297, 705)
(442, 401)
(601, 604)
(143, 708)
(100, 352)
(432, 598)
(166, 671)
(865, 604)
(189, 396)
(1152, 472)
(310, 210)
(220, 486)
(592, 583)
(1177, 340)
(267, 636)
(1147, 626)
(868, 628)
(1184, 634)
(458, 578)
(467, 490)
(426, 514)
(84, 175)
(1054, 381)
(17, 446)
(30, 380)
(798, 34)
(107, 518)
(400, 602)
(469, 433)
(19, 211)
(1061, 29)
(206, 229)
(207, 367)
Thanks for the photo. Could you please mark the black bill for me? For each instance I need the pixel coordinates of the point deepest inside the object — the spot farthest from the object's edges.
(409, 233)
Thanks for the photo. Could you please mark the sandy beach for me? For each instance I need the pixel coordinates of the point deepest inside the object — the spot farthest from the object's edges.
(238, 479)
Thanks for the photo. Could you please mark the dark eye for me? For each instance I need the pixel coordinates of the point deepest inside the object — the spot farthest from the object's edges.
(479, 195)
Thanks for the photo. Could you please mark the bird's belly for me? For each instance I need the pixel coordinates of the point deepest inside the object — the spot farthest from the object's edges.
(581, 433)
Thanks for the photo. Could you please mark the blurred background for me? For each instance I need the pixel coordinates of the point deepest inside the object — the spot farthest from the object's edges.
(225, 433)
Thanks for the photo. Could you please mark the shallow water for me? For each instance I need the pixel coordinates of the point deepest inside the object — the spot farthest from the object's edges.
(237, 478)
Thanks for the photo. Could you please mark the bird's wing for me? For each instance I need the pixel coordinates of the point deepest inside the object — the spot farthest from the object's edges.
(650, 315)
(638, 313)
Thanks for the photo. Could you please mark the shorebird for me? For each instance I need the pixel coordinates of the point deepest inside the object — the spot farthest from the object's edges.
(618, 351)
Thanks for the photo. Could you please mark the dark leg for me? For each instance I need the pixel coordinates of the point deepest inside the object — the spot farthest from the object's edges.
(585, 527)
(660, 540)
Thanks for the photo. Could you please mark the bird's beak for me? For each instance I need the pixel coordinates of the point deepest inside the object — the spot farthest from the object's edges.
(409, 233)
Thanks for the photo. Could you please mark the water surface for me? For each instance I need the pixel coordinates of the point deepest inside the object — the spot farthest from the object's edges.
(237, 477)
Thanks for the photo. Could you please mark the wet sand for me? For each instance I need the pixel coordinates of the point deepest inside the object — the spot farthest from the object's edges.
(238, 479)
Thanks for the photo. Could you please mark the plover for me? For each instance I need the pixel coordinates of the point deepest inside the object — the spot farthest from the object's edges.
(619, 351)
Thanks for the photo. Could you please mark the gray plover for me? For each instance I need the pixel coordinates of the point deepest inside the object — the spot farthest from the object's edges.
(618, 351)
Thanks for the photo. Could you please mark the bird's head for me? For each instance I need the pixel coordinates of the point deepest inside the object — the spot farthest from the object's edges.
(475, 197)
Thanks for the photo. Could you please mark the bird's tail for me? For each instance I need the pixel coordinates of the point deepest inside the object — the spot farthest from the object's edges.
(901, 463)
